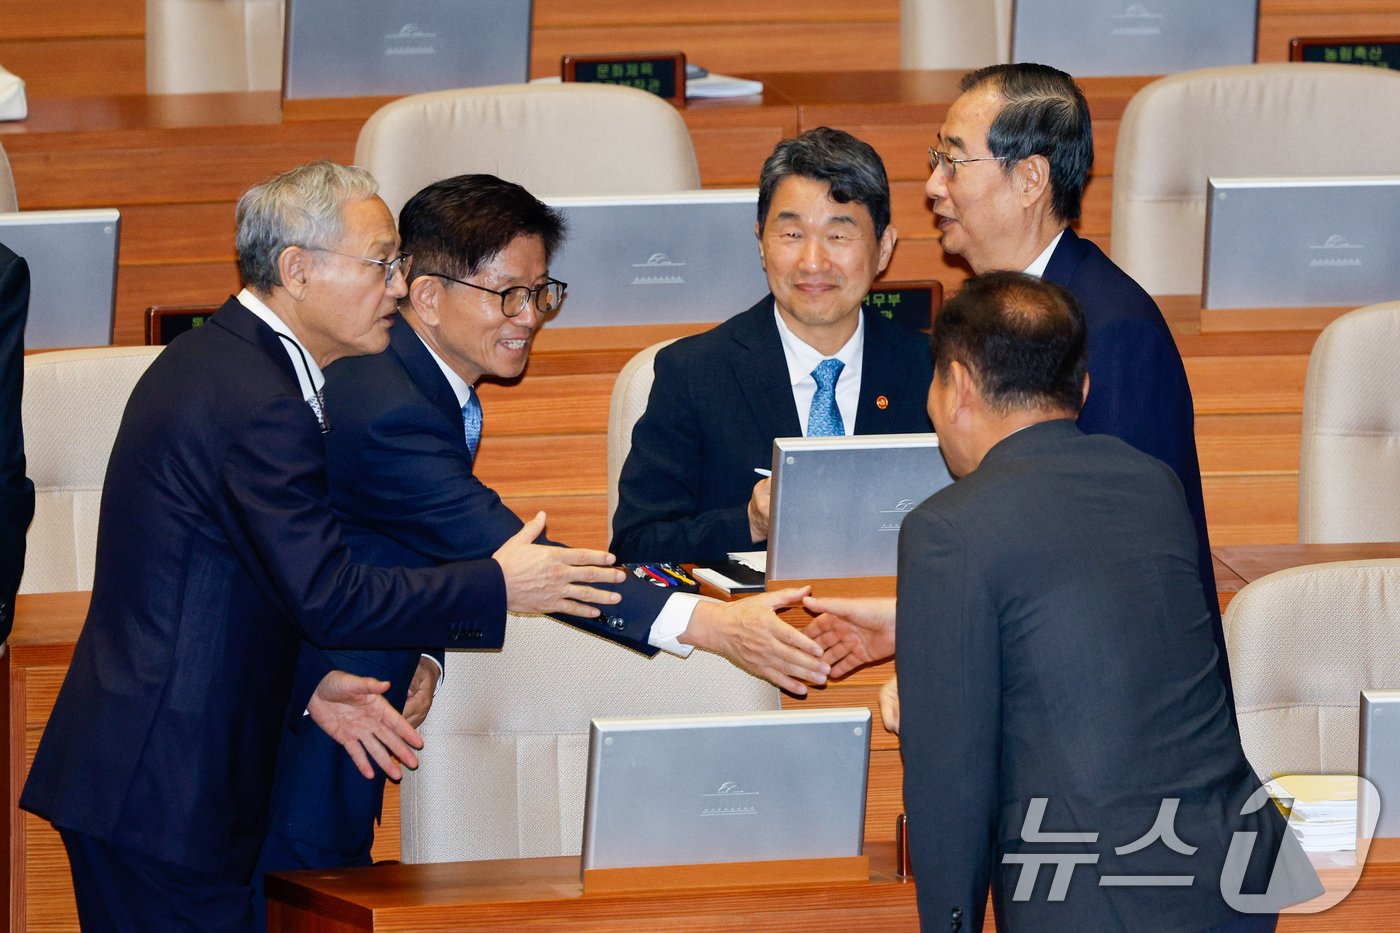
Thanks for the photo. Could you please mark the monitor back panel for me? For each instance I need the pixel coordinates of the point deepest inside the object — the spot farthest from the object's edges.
(1379, 752)
(838, 502)
(1124, 37)
(658, 259)
(743, 787)
(72, 258)
(1301, 242)
(347, 48)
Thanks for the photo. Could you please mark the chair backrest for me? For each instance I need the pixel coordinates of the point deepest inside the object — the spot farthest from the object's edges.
(1242, 120)
(954, 33)
(1349, 456)
(629, 399)
(210, 46)
(73, 404)
(1303, 643)
(555, 139)
(503, 768)
(8, 200)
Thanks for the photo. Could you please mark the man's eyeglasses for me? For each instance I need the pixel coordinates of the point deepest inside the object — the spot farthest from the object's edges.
(937, 157)
(390, 266)
(547, 297)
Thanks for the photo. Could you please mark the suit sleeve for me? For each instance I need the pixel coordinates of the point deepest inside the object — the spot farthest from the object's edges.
(659, 514)
(16, 491)
(949, 667)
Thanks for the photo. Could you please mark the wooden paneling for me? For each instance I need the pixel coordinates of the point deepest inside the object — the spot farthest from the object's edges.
(72, 19)
(1251, 508)
(1282, 20)
(562, 14)
(63, 67)
(1244, 443)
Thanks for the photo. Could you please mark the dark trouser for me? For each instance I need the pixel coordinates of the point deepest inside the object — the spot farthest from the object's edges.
(283, 854)
(125, 891)
(1248, 923)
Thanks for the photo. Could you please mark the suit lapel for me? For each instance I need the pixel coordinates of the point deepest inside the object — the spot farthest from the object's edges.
(759, 366)
(1065, 260)
(424, 370)
(878, 382)
(241, 322)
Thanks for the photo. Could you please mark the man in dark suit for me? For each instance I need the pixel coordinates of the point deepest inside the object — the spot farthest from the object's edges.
(401, 463)
(1058, 703)
(803, 361)
(1008, 177)
(16, 491)
(217, 553)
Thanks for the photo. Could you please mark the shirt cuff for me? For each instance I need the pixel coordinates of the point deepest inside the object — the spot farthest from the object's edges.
(671, 623)
(442, 674)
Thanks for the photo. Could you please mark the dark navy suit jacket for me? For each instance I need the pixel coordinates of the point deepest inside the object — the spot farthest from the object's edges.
(217, 553)
(719, 400)
(403, 487)
(16, 491)
(1137, 386)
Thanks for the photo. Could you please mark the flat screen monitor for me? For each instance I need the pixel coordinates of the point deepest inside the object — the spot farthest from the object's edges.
(838, 502)
(678, 258)
(1133, 37)
(740, 787)
(1301, 242)
(1379, 750)
(349, 48)
(72, 258)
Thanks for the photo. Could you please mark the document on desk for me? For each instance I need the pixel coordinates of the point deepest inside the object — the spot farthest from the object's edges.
(756, 560)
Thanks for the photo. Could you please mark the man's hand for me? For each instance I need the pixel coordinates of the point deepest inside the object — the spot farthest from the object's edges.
(421, 690)
(749, 633)
(545, 578)
(889, 705)
(758, 509)
(852, 631)
(351, 710)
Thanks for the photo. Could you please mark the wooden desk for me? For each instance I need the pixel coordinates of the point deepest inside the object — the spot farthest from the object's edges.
(545, 894)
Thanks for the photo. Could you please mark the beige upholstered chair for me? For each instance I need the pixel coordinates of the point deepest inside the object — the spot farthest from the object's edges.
(954, 33)
(502, 772)
(208, 46)
(8, 200)
(73, 403)
(555, 139)
(1349, 458)
(1244, 120)
(1303, 643)
(629, 399)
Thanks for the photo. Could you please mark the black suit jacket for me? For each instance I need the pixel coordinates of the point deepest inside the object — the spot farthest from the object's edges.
(719, 400)
(216, 554)
(1054, 643)
(1137, 386)
(403, 486)
(16, 491)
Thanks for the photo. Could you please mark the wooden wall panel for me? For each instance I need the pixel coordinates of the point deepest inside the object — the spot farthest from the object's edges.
(1282, 20)
(72, 19)
(69, 67)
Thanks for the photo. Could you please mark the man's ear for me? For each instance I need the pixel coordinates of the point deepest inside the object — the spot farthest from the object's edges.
(887, 242)
(294, 269)
(1084, 394)
(965, 394)
(758, 234)
(1033, 174)
(426, 294)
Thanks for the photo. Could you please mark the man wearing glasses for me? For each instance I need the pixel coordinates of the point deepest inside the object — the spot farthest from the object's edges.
(401, 457)
(1008, 176)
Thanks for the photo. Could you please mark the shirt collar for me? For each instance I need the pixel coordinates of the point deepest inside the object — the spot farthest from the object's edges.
(309, 375)
(460, 388)
(1037, 268)
(802, 357)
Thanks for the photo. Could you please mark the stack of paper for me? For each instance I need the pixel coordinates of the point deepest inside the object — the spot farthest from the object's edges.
(1321, 809)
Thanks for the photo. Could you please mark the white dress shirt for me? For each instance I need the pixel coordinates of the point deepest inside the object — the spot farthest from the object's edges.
(1037, 267)
(802, 358)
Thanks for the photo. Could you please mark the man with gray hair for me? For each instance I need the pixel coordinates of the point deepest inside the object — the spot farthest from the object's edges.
(217, 554)
(803, 361)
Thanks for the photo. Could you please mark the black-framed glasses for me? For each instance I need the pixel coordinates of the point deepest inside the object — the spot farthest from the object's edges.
(937, 157)
(547, 296)
(390, 266)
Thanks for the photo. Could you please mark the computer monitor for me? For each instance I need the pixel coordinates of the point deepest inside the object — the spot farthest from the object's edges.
(72, 258)
(838, 502)
(1378, 749)
(739, 787)
(1301, 242)
(343, 48)
(677, 258)
(1122, 37)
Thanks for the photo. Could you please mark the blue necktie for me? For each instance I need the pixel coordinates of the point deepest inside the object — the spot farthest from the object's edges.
(824, 418)
(471, 423)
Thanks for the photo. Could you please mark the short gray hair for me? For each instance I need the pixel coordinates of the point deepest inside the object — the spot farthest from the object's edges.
(850, 167)
(302, 207)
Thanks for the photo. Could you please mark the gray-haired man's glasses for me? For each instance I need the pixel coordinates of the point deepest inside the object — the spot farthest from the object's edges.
(937, 157)
(390, 266)
(547, 297)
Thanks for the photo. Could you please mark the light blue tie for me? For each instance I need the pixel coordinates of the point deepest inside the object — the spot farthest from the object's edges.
(471, 423)
(824, 418)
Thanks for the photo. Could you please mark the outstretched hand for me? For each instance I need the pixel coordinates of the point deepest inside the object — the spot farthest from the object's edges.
(852, 632)
(544, 578)
(751, 635)
(353, 711)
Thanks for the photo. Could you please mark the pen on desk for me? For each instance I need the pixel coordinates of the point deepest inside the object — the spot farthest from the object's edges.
(762, 472)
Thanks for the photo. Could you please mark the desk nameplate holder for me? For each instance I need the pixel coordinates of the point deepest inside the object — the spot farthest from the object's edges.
(852, 868)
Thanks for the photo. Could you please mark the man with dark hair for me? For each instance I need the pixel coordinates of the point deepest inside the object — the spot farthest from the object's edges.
(401, 461)
(803, 361)
(16, 491)
(1008, 177)
(1058, 705)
